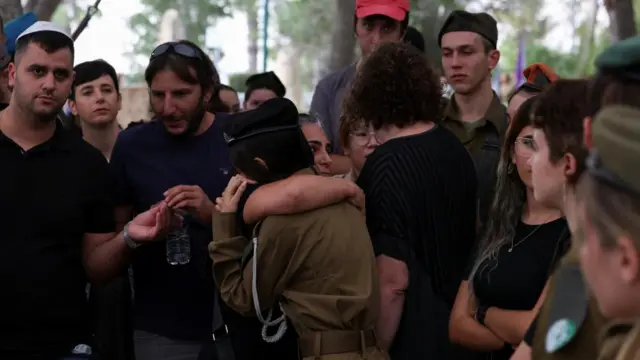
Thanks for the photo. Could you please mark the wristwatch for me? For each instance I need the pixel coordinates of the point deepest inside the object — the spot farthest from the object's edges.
(481, 313)
(132, 244)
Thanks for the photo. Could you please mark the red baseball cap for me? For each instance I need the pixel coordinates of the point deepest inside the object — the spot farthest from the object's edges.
(395, 9)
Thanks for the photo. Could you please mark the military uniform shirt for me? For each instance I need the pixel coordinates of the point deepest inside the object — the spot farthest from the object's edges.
(319, 265)
(577, 340)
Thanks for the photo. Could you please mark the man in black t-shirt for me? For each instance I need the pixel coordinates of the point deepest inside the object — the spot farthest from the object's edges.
(57, 219)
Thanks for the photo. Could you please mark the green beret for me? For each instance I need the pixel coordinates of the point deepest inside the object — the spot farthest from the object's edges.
(622, 57)
(479, 23)
(616, 140)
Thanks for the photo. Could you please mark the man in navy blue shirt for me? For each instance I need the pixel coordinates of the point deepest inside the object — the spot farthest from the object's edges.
(181, 158)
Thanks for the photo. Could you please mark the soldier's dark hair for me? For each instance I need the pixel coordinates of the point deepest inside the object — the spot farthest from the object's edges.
(206, 74)
(92, 70)
(560, 112)
(486, 44)
(607, 88)
(395, 85)
(49, 41)
(284, 153)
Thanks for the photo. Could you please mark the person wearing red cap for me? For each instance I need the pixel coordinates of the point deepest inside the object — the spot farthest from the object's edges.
(375, 22)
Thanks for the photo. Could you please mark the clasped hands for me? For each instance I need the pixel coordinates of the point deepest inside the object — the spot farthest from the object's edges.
(166, 215)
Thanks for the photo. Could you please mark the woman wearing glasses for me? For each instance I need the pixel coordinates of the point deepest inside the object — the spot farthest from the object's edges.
(520, 245)
(358, 141)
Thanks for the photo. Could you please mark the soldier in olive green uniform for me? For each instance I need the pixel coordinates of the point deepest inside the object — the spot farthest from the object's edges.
(610, 241)
(570, 325)
(463, 56)
(318, 266)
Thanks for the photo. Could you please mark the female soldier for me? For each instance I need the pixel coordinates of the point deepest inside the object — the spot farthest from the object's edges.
(610, 233)
(522, 241)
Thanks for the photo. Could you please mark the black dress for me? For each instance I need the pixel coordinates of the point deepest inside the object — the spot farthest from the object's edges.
(515, 280)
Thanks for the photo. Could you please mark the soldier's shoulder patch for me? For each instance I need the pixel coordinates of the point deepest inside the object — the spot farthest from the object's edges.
(568, 307)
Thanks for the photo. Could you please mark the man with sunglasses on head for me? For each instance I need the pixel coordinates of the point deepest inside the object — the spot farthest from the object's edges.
(180, 158)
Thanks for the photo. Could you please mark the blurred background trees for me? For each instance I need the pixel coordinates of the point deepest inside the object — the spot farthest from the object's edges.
(317, 36)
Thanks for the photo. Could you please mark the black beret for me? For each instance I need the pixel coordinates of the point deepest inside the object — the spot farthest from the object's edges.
(267, 80)
(479, 23)
(415, 38)
(277, 114)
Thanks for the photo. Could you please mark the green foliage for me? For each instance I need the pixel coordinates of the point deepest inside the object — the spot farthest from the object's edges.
(237, 81)
(196, 15)
(307, 23)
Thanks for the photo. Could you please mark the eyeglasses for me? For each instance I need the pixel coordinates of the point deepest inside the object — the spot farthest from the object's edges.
(181, 49)
(598, 170)
(362, 138)
(527, 147)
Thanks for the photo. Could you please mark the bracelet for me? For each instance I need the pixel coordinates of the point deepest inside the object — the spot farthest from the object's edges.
(132, 244)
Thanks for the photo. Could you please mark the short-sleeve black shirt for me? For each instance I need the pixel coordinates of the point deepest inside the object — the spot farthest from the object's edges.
(50, 196)
(421, 209)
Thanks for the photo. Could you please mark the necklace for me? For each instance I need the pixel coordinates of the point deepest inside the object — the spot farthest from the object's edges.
(513, 245)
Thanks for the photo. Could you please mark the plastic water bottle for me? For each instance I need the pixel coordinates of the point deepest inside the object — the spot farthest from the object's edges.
(179, 246)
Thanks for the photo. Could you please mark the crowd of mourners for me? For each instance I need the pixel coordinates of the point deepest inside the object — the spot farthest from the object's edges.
(388, 222)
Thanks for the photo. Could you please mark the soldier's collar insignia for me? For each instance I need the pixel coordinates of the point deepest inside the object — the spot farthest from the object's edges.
(559, 335)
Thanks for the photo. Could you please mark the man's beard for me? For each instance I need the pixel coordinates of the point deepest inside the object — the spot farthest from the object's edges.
(30, 106)
(194, 121)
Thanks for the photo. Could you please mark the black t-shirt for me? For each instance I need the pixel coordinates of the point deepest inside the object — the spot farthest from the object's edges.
(421, 209)
(515, 280)
(172, 301)
(50, 196)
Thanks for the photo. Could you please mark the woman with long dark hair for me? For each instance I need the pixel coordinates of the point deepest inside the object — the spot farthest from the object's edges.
(519, 247)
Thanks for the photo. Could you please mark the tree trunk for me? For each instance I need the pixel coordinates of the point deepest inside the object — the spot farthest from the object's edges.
(43, 9)
(588, 41)
(252, 24)
(10, 9)
(343, 42)
(621, 19)
(430, 25)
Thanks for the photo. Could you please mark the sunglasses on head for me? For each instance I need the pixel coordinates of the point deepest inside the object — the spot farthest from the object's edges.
(181, 49)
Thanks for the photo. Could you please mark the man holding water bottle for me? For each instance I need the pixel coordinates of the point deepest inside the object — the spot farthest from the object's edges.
(179, 158)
